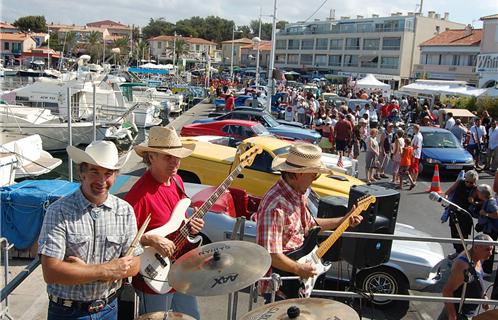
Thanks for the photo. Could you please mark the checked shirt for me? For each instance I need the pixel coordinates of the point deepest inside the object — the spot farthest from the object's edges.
(73, 226)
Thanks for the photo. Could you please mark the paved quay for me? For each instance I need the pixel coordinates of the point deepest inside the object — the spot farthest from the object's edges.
(29, 300)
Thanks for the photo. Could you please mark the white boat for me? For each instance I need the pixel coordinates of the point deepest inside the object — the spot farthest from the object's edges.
(109, 101)
(23, 156)
(52, 129)
(7, 72)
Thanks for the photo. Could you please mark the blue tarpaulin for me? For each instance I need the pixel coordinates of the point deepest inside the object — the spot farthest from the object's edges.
(23, 207)
(144, 70)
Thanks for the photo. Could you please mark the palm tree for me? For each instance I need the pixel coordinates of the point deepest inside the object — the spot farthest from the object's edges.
(69, 41)
(94, 47)
(142, 50)
(124, 46)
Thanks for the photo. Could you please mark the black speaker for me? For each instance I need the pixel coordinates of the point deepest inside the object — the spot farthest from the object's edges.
(379, 218)
(332, 207)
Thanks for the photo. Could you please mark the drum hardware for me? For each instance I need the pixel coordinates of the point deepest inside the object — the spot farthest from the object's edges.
(306, 309)
(238, 231)
(161, 315)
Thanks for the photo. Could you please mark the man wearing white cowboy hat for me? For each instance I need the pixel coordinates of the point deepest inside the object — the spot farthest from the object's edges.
(157, 192)
(84, 237)
(283, 219)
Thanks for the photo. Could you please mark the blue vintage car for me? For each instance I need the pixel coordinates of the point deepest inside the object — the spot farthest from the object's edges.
(275, 128)
(441, 147)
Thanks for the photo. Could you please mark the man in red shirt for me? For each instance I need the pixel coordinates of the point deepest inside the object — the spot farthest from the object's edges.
(157, 192)
(230, 102)
(283, 218)
(343, 131)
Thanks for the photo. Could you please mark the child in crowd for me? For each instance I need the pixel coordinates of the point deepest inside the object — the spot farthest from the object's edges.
(404, 165)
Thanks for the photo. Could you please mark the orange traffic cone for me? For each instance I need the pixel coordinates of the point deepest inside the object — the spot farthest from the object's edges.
(435, 184)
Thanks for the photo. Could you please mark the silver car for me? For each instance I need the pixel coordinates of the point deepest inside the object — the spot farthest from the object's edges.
(412, 265)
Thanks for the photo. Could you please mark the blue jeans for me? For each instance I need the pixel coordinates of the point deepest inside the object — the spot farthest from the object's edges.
(177, 302)
(58, 312)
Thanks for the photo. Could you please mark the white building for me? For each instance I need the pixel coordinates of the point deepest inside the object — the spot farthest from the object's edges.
(384, 46)
(450, 55)
(487, 61)
(162, 48)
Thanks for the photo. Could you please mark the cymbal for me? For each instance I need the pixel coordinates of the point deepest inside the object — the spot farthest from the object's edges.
(161, 315)
(488, 315)
(219, 268)
(303, 309)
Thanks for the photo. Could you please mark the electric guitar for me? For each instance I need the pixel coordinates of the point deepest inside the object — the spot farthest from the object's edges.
(312, 253)
(154, 267)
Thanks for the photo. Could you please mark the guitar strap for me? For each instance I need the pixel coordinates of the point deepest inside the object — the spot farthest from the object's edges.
(178, 185)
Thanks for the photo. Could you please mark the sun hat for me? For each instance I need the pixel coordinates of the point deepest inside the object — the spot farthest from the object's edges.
(165, 140)
(302, 158)
(100, 153)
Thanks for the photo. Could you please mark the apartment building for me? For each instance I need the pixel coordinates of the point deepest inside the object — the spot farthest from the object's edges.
(7, 28)
(450, 55)
(487, 60)
(115, 29)
(162, 48)
(249, 52)
(226, 50)
(13, 45)
(384, 46)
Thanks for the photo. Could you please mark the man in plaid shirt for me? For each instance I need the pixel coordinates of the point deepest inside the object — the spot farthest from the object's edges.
(84, 238)
(283, 219)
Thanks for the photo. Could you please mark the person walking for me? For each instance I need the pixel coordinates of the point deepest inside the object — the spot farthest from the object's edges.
(386, 140)
(372, 156)
(398, 147)
(84, 238)
(417, 153)
(405, 164)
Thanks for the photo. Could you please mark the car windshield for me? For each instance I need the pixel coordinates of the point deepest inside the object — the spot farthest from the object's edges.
(272, 123)
(260, 130)
(439, 140)
(282, 150)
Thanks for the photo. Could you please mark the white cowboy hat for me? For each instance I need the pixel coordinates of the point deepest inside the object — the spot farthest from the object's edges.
(302, 158)
(100, 153)
(165, 140)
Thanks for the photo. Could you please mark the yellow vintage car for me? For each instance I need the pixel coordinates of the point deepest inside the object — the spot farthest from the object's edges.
(211, 163)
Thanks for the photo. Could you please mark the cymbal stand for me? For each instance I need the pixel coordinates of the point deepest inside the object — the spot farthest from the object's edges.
(237, 232)
(4, 312)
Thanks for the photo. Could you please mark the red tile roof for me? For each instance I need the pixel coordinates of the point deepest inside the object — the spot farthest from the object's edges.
(191, 40)
(13, 36)
(6, 25)
(263, 46)
(106, 23)
(456, 37)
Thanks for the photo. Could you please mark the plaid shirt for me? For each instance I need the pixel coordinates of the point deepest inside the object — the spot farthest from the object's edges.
(283, 220)
(73, 226)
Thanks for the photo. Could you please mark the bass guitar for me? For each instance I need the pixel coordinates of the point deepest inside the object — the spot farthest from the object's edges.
(154, 267)
(312, 253)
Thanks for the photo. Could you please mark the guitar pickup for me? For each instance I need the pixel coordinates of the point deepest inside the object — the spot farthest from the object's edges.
(149, 270)
(161, 260)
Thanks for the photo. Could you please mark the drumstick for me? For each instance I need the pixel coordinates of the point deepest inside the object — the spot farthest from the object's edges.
(138, 236)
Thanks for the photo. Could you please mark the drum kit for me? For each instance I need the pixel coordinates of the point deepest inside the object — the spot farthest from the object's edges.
(229, 266)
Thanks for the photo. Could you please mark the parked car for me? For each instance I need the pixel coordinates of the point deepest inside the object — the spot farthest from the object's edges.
(270, 123)
(441, 147)
(412, 265)
(236, 129)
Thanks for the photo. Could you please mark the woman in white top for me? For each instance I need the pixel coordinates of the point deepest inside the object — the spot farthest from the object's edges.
(372, 156)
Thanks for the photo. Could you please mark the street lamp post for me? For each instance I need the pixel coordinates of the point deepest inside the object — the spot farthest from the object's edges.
(233, 52)
(272, 55)
(257, 41)
(174, 49)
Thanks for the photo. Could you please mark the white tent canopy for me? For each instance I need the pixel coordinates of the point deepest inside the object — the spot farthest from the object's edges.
(157, 66)
(440, 87)
(371, 84)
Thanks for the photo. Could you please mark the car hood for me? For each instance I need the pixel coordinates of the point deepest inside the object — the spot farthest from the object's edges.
(330, 160)
(415, 251)
(302, 134)
(450, 155)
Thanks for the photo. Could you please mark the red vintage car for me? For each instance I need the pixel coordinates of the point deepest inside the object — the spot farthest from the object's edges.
(236, 129)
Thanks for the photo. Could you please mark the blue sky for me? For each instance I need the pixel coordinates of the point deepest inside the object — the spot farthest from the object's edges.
(139, 12)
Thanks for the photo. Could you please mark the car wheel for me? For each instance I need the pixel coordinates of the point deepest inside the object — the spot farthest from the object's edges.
(383, 280)
(189, 177)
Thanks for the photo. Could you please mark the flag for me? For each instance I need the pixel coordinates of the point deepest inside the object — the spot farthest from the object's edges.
(9, 97)
(339, 162)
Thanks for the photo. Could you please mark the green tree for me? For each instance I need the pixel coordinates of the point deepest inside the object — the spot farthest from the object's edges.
(141, 51)
(124, 48)
(69, 42)
(245, 32)
(54, 41)
(265, 29)
(181, 48)
(281, 24)
(156, 28)
(31, 23)
(94, 45)
(217, 29)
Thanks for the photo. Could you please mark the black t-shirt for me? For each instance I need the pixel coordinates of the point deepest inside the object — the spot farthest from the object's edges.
(461, 195)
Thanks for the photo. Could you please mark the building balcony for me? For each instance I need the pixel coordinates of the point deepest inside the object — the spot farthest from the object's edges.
(468, 70)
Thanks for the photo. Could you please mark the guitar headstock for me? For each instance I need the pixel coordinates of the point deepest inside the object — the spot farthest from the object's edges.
(364, 202)
(247, 157)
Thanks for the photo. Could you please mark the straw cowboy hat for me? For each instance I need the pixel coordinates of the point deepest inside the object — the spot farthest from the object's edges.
(302, 158)
(100, 153)
(165, 140)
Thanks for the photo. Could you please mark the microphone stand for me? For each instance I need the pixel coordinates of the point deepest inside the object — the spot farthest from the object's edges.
(453, 216)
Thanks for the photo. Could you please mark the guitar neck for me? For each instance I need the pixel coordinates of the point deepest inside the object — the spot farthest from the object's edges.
(329, 242)
(217, 193)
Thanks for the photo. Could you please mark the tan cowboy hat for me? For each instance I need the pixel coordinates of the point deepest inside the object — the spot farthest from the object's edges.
(100, 153)
(165, 140)
(302, 158)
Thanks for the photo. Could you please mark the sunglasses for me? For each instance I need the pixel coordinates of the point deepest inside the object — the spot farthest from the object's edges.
(469, 182)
